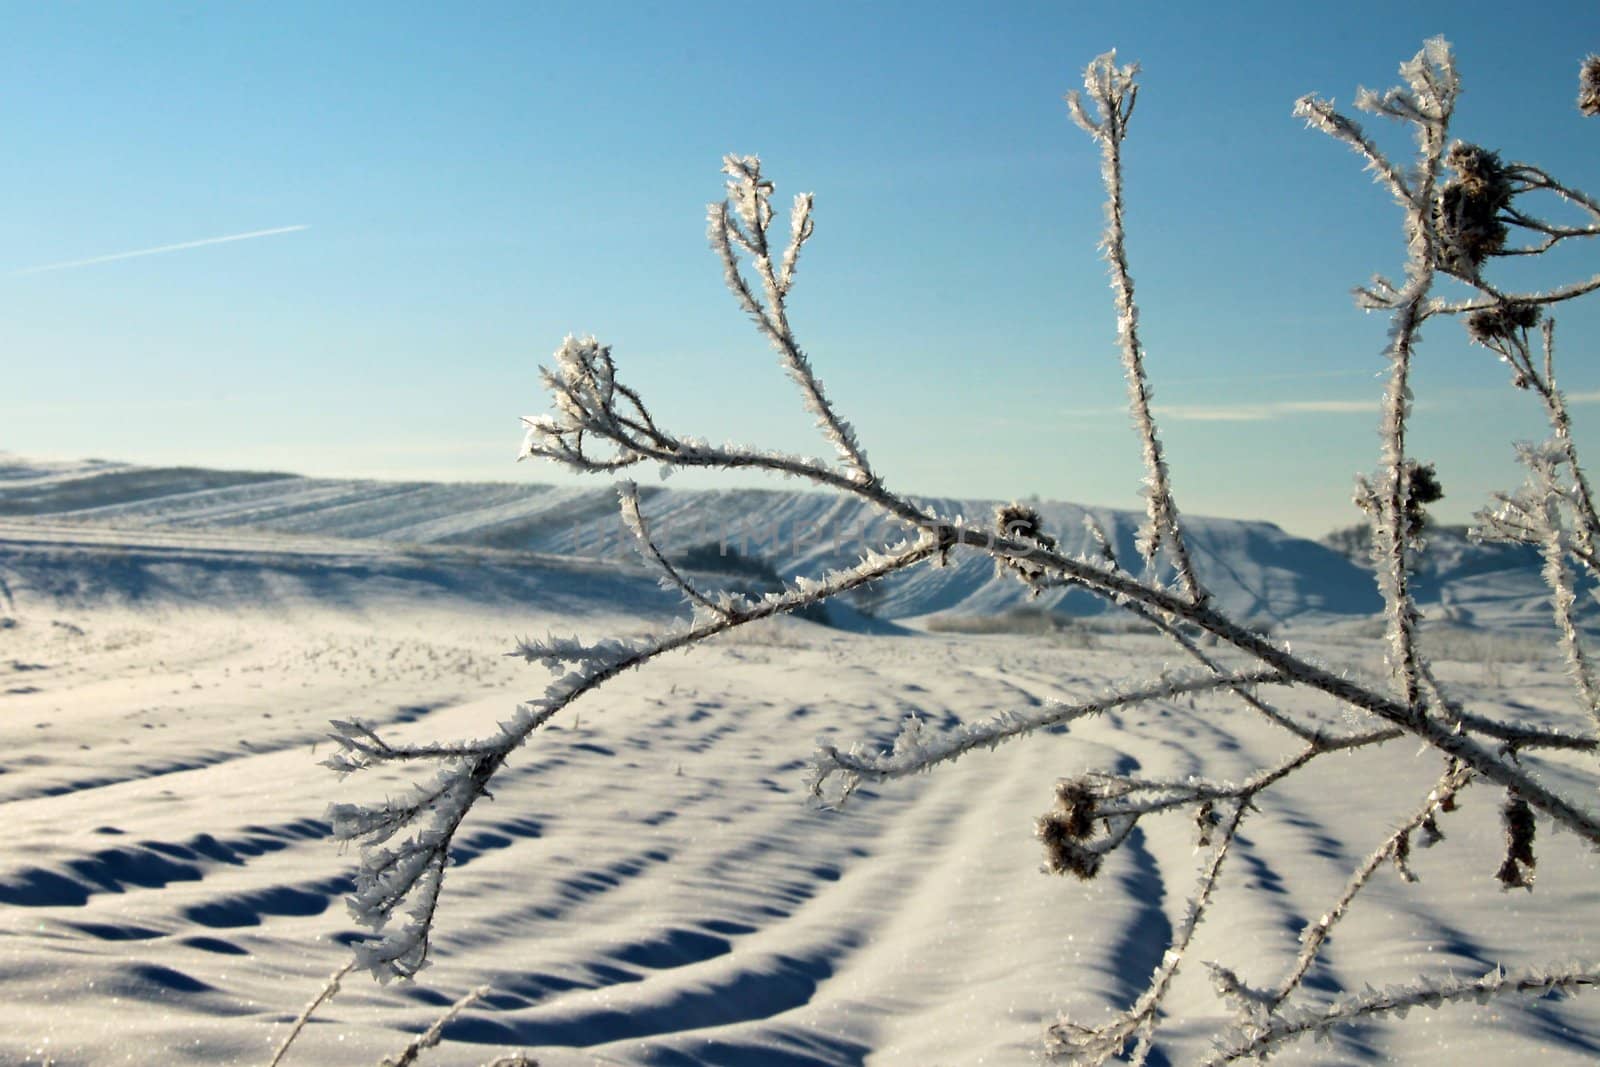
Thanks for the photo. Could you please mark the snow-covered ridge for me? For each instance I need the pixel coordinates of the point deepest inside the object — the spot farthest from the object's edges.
(1256, 569)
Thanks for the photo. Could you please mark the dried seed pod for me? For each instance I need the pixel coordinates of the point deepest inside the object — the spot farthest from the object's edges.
(1500, 323)
(1425, 489)
(1517, 870)
(1076, 804)
(1018, 522)
(1062, 853)
(1402, 857)
(1467, 213)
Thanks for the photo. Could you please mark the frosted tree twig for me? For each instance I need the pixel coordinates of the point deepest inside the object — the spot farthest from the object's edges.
(1427, 105)
(1315, 934)
(1558, 519)
(1586, 524)
(412, 872)
(1321, 115)
(1092, 1046)
(330, 989)
(628, 493)
(913, 754)
(430, 1037)
(1248, 697)
(743, 219)
(1257, 1040)
(584, 391)
(1177, 636)
(1563, 596)
(1113, 91)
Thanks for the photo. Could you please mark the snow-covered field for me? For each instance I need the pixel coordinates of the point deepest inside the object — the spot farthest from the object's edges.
(650, 885)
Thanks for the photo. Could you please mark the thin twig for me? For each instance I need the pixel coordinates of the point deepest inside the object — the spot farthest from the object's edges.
(330, 989)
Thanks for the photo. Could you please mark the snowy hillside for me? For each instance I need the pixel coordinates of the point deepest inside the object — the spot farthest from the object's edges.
(1256, 570)
(1494, 586)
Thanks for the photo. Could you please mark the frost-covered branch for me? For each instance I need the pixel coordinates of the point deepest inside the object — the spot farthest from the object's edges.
(1426, 103)
(431, 1037)
(329, 990)
(1555, 511)
(1091, 1046)
(914, 752)
(1113, 91)
(361, 747)
(1516, 736)
(1246, 695)
(1321, 115)
(1255, 1041)
(634, 519)
(410, 875)
(1315, 935)
(743, 219)
(1563, 595)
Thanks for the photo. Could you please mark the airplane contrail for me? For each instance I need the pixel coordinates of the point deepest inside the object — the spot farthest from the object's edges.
(159, 250)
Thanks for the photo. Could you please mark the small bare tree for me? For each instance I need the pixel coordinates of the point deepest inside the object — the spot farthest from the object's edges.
(1463, 207)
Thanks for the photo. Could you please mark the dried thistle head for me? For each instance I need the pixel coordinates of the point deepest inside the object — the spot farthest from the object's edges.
(1206, 821)
(1475, 165)
(1064, 829)
(1517, 870)
(1364, 497)
(1019, 522)
(1402, 857)
(1425, 489)
(1062, 852)
(1496, 324)
(1589, 86)
(1023, 523)
(1075, 803)
(1467, 213)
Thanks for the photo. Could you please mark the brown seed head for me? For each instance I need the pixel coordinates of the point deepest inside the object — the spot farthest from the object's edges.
(1075, 804)
(1501, 323)
(1466, 215)
(1022, 523)
(1425, 489)
(1589, 86)
(1062, 853)
(1517, 870)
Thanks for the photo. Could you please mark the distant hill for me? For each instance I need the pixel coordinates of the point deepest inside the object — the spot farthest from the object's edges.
(1467, 582)
(1256, 570)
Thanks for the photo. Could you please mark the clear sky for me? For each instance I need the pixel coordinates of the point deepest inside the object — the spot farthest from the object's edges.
(428, 199)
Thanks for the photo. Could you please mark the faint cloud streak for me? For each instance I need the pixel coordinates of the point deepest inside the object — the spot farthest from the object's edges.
(158, 250)
(1266, 411)
(1278, 409)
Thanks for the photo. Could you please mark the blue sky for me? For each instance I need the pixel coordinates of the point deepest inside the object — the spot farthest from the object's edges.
(473, 185)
